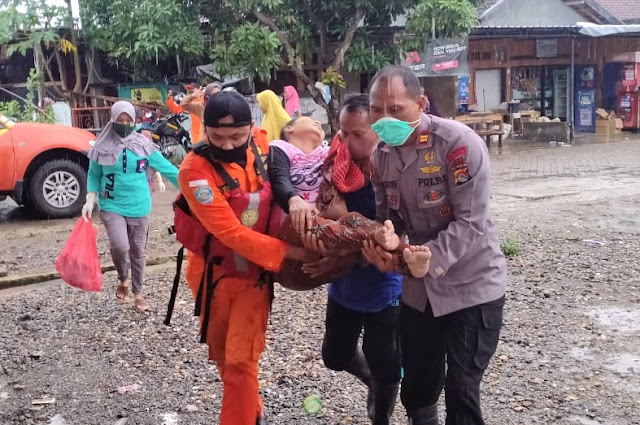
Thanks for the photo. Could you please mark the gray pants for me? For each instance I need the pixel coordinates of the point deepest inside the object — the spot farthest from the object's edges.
(128, 242)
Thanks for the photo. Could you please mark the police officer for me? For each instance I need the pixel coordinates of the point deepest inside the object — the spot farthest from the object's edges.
(432, 181)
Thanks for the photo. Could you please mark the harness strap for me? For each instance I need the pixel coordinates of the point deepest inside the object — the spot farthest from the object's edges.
(174, 289)
(258, 164)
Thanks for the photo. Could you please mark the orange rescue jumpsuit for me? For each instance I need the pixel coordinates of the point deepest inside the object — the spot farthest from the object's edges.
(240, 308)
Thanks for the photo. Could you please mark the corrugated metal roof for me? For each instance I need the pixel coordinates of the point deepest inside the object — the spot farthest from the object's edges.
(625, 10)
(486, 6)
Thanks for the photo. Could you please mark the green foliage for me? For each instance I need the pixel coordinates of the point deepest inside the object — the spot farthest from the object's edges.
(28, 112)
(332, 77)
(25, 24)
(364, 56)
(137, 35)
(452, 18)
(250, 40)
(510, 248)
(25, 113)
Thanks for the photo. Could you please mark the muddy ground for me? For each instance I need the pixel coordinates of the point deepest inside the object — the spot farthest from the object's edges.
(569, 350)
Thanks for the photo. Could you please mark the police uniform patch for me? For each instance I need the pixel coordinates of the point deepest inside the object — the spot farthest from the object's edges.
(249, 218)
(433, 197)
(431, 169)
(461, 174)
(203, 194)
(445, 211)
(424, 138)
(456, 154)
(393, 200)
(430, 157)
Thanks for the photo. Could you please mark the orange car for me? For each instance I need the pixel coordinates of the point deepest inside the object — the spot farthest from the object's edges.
(44, 166)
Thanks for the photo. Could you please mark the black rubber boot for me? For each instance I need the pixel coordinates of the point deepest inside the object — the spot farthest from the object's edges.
(427, 415)
(384, 400)
(359, 368)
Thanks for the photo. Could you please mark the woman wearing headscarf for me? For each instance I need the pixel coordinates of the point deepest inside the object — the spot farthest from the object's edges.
(275, 116)
(117, 180)
(292, 102)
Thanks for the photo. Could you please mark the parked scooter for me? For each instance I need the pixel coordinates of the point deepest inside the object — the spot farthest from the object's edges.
(169, 134)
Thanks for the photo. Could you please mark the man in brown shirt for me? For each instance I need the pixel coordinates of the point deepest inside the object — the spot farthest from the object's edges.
(432, 181)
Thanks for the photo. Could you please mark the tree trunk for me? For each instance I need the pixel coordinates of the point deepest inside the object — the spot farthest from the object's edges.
(38, 62)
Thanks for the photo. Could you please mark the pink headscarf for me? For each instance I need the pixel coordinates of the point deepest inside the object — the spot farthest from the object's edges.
(292, 101)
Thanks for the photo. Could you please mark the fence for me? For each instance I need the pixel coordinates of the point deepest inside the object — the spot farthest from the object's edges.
(91, 118)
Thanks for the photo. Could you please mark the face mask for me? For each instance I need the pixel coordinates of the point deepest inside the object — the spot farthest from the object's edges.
(238, 154)
(394, 132)
(138, 126)
(123, 130)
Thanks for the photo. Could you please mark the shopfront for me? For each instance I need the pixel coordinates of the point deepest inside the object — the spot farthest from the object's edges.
(558, 72)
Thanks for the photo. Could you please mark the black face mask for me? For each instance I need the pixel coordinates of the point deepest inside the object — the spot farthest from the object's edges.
(238, 154)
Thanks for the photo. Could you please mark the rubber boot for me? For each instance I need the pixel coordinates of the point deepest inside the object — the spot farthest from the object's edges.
(359, 368)
(384, 400)
(427, 415)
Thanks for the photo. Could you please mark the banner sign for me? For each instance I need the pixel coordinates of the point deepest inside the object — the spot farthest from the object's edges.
(442, 57)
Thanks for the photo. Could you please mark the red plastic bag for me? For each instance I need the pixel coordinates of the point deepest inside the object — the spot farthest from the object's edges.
(79, 262)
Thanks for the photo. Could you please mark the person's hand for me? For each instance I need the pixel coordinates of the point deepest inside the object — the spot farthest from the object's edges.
(87, 208)
(159, 182)
(301, 213)
(311, 242)
(383, 260)
(330, 265)
(299, 253)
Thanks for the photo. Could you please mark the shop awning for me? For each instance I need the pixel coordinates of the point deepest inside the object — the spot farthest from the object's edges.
(586, 29)
(523, 31)
(593, 30)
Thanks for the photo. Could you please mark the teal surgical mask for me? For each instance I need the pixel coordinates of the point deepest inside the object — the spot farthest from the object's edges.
(123, 130)
(394, 132)
(138, 126)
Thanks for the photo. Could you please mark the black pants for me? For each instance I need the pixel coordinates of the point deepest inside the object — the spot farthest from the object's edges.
(380, 342)
(465, 340)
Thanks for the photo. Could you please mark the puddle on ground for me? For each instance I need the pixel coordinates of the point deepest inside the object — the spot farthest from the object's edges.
(580, 353)
(626, 320)
(624, 364)
(584, 421)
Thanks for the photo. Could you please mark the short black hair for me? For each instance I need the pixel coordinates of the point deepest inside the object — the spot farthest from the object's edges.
(283, 133)
(409, 79)
(356, 103)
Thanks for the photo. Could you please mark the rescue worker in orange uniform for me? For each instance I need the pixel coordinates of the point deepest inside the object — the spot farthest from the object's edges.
(193, 103)
(226, 187)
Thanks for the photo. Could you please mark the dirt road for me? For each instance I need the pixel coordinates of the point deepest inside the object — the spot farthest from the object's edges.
(569, 350)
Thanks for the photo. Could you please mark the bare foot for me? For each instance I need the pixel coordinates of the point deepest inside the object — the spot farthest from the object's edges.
(418, 259)
(140, 303)
(122, 291)
(386, 237)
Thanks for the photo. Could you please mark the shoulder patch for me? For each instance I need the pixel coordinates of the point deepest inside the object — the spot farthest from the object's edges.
(456, 154)
(203, 194)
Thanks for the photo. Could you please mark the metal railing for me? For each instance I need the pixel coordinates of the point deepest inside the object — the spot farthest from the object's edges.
(91, 118)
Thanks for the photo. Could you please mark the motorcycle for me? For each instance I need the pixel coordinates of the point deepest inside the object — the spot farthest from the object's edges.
(172, 139)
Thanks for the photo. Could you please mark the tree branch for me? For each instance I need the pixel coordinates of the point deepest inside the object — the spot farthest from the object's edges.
(338, 61)
(291, 52)
(321, 27)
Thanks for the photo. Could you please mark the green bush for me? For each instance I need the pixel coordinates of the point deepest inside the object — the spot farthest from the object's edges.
(13, 109)
(510, 248)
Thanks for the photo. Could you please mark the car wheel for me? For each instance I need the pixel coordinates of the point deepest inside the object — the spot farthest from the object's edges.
(58, 188)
